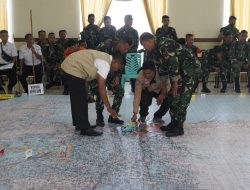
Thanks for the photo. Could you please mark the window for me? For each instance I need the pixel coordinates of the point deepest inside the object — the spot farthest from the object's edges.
(226, 12)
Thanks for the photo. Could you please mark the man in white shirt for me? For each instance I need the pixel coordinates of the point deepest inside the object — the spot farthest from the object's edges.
(82, 66)
(30, 54)
(8, 54)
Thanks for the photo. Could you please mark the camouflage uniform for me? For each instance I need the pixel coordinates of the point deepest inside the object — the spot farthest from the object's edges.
(90, 34)
(233, 30)
(133, 34)
(167, 32)
(226, 54)
(189, 65)
(53, 55)
(118, 91)
(107, 33)
(62, 43)
(239, 56)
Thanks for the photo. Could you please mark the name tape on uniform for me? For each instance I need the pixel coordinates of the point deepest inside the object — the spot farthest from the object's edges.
(35, 89)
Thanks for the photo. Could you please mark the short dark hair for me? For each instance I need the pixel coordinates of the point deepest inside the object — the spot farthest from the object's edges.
(107, 18)
(27, 35)
(71, 42)
(40, 31)
(91, 15)
(146, 36)
(182, 41)
(51, 33)
(189, 35)
(127, 40)
(60, 31)
(164, 16)
(4, 32)
(148, 65)
(232, 18)
(243, 32)
(118, 56)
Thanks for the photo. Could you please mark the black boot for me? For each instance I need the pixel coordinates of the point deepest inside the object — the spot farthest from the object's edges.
(248, 84)
(205, 88)
(224, 87)
(90, 132)
(169, 126)
(237, 84)
(196, 84)
(115, 120)
(100, 119)
(176, 131)
(48, 86)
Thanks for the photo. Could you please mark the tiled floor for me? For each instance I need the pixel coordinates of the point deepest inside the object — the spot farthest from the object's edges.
(214, 153)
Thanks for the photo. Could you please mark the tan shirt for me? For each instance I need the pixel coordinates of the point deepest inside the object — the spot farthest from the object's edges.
(86, 64)
(143, 83)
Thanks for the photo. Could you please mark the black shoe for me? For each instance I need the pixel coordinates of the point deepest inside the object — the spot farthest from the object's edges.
(115, 120)
(100, 123)
(177, 131)
(77, 128)
(237, 90)
(168, 127)
(223, 90)
(48, 86)
(90, 132)
(205, 90)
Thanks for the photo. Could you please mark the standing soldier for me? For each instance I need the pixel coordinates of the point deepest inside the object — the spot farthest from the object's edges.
(113, 81)
(90, 33)
(129, 31)
(230, 28)
(239, 55)
(166, 31)
(108, 31)
(53, 55)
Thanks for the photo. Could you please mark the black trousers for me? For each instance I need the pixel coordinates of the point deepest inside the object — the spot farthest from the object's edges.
(28, 71)
(79, 101)
(146, 101)
(11, 74)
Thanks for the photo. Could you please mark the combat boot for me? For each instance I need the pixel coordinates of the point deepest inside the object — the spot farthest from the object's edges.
(237, 85)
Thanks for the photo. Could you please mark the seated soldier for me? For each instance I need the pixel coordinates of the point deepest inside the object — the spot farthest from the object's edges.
(30, 55)
(62, 38)
(148, 86)
(8, 54)
(220, 66)
(53, 55)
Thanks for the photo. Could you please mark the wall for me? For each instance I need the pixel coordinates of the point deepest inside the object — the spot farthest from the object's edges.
(50, 15)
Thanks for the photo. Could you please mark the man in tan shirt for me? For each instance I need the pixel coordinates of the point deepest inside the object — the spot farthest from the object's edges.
(87, 65)
(148, 86)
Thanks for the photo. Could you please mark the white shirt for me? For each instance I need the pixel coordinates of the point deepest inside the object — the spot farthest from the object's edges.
(26, 54)
(103, 67)
(10, 49)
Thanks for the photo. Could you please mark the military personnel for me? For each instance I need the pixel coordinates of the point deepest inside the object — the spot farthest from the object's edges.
(129, 31)
(230, 28)
(53, 55)
(42, 39)
(90, 33)
(226, 46)
(62, 38)
(163, 54)
(112, 82)
(166, 30)
(239, 56)
(220, 66)
(108, 31)
(189, 65)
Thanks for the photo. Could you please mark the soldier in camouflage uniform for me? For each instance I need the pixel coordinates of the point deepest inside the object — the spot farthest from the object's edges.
(239, 56)
(42, 41)
(163, 54)
(230, 28)
(53, 55)
(166, 31)
(62, 41)
(129, 31)
(112, 82)
(90, 33)
(108, 31)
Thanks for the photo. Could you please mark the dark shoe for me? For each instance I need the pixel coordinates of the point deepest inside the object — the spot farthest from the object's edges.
(77, 128)
(223, 90)
(115, 120)
(177, 131)
(168, 127)
(65, 93)
(205, 90)
(100, 123)
(237, 90)
(48, 86)
(90, 132)
(158, 120)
